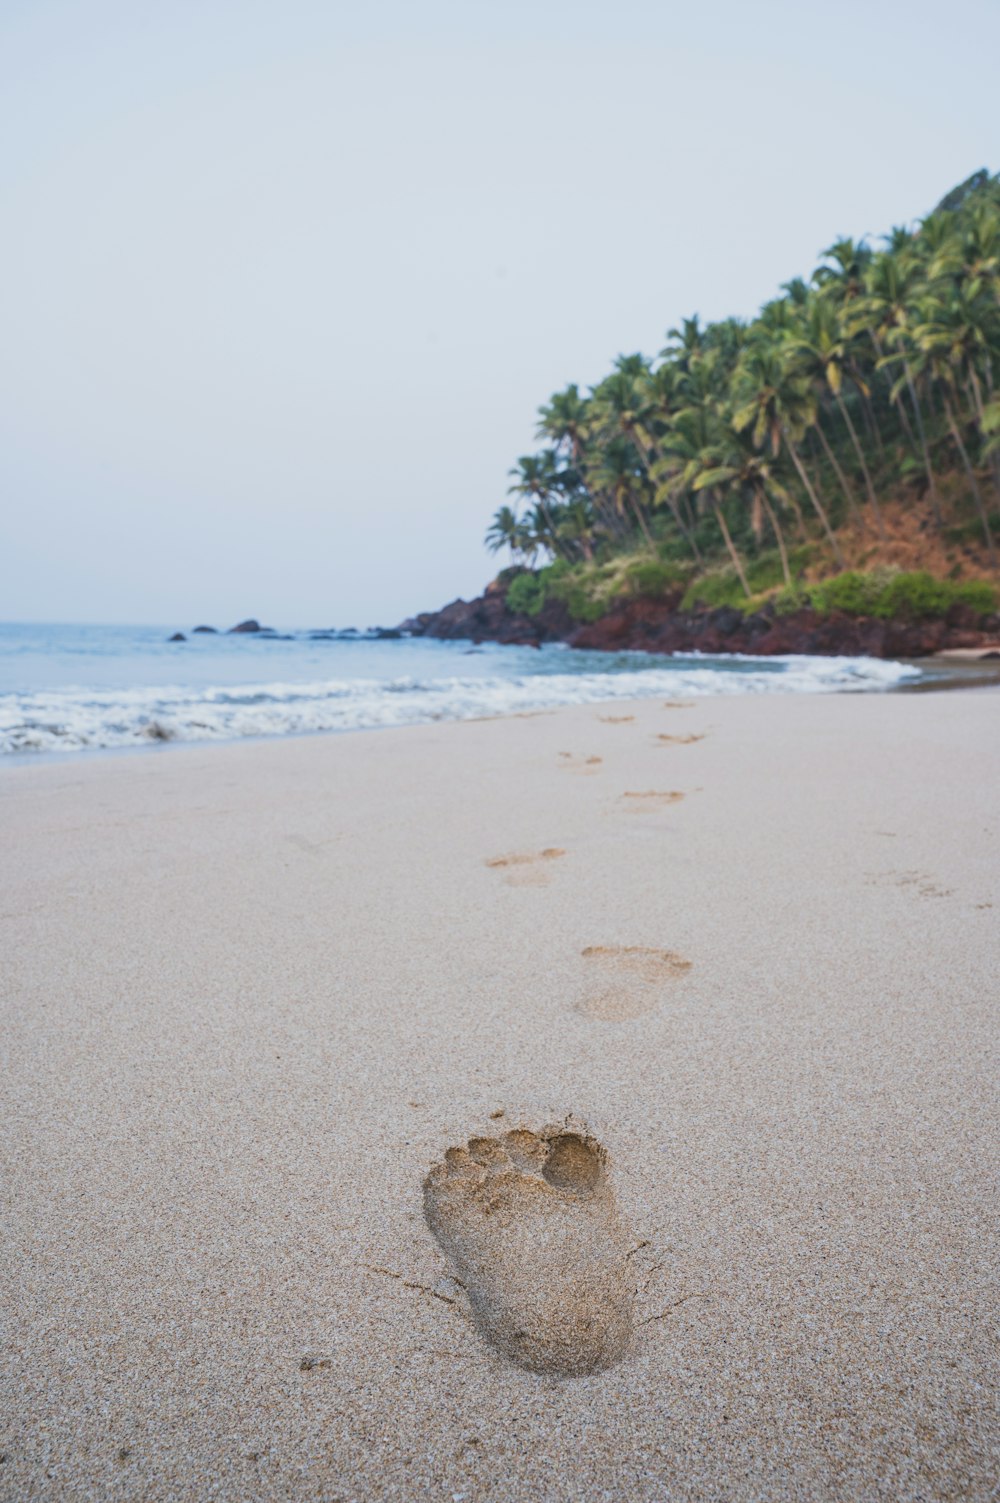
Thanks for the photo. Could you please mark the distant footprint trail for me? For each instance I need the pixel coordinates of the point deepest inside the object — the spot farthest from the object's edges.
(530, 1223)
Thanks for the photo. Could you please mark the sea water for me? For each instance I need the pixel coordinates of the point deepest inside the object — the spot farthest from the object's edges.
(69, 688)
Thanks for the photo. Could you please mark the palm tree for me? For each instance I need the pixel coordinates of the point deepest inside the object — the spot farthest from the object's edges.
(686, 343)
(616, 475)
(894, 282)
(774, 404)
(740, 469)
(564, 421)
(508, 531)
(820, 347)
(537, 481)
(622, 412)
(688, 454)
(934, 357)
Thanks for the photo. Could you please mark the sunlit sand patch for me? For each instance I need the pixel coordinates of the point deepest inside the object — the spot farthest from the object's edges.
(628, 980)
(529, 1222)
(526, 868)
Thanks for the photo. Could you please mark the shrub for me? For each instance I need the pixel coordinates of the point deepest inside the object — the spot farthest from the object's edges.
(526, 594)
(648, 577)
(890, 595)
(587, 591)
(720, 587)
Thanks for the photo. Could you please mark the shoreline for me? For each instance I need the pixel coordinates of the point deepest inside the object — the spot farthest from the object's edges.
(253, 994)
(943, 672)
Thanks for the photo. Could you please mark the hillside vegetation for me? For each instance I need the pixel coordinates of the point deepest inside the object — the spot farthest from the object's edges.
(841, 449)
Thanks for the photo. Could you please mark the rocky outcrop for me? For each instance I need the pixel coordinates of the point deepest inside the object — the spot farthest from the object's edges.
(487, 619)
(246, 626)
(661, 626)
(178, 636)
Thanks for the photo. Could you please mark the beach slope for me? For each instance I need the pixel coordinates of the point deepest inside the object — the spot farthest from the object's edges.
(588, 1105)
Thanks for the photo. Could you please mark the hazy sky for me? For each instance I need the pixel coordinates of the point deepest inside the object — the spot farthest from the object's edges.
(284, 283)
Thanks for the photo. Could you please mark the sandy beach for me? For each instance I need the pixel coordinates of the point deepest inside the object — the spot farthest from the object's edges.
(711, 987)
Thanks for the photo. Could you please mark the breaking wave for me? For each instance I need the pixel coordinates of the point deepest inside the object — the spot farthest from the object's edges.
(72, 719)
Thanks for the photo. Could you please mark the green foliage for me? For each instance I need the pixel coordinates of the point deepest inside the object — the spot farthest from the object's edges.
(587, 591)
(526, 594)
(719, 587)
(875, 377)
(649, 577)
(722, 586)
(890, 595)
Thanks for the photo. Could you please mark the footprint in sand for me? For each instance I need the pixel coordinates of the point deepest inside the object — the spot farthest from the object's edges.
(527, 869)
(923, 882)
(529, 1222)
(678, 704)
(646, 803)
(627, 980)
(615, 719)
(679, 740)
(585, 765)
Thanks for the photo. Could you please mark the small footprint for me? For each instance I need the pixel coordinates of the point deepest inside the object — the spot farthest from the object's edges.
(922, 881)
(679, 740)
(629, 980)
(678, 704)
(530, 1224)
(615, 719)
(310, 847)
(584, 765)
(646, 803)
(528, 867)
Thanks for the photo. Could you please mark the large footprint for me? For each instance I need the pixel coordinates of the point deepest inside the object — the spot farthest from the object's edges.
(529, 1221)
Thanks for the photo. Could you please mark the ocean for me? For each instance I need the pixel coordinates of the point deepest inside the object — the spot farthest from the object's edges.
(69, 689)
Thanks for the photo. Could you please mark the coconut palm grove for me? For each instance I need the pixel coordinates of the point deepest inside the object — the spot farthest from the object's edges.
(843, 445)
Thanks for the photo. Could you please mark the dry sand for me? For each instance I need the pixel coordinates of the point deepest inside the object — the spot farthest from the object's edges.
(729, 1070)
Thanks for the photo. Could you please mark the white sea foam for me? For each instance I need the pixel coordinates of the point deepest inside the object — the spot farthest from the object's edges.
(70, 719)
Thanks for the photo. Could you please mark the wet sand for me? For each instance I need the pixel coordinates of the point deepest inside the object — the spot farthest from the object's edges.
(719, 1016)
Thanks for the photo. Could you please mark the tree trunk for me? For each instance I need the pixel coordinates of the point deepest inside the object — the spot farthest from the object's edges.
(778, 536)
(852, 505)
(869, 487)
(980, 414)
(554, 544)
(640, 516)
(868, 408)
(935, 502)
(983, 517)
(733, 554)
(814, 498)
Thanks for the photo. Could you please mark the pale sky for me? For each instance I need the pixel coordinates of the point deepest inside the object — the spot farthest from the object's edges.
(284, 283)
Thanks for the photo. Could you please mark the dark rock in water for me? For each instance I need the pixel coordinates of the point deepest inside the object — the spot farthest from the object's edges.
(212, 629)
(178, 636)
(323, 636)
(387, 633)
(245, 626)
